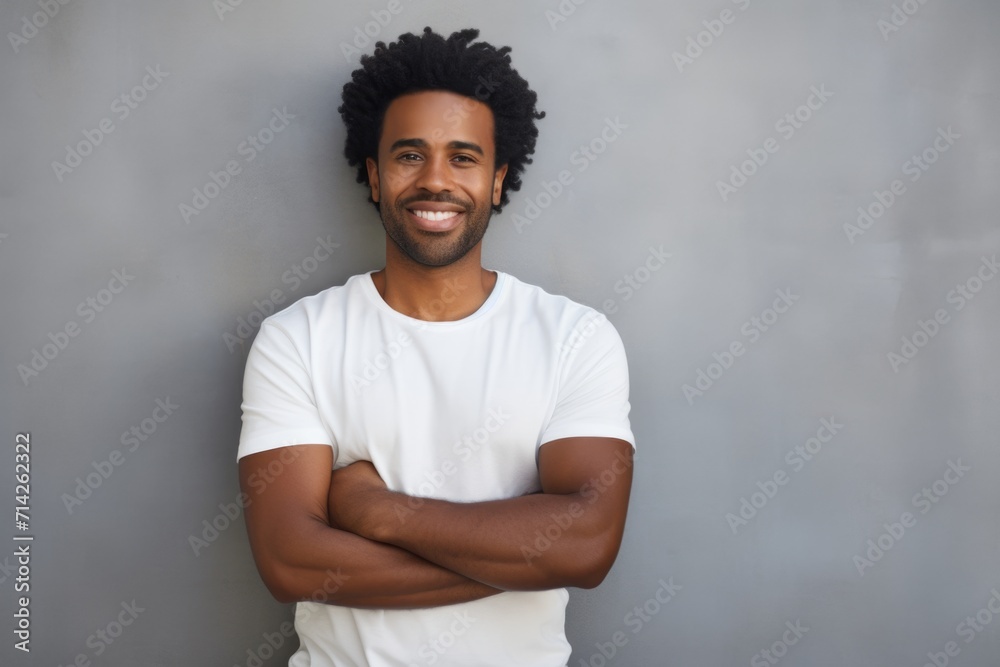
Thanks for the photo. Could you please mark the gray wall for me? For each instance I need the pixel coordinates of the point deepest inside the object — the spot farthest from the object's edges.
(842, 542)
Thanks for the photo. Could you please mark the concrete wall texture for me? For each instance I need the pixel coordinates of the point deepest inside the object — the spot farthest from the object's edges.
(787, 209)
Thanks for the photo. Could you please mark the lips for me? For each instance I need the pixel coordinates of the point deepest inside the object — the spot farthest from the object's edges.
(435, 217)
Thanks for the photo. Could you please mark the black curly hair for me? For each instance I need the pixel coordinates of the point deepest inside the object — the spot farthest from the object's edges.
(431, 62)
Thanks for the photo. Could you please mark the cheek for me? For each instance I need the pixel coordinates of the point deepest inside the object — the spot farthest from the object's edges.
(392, 181)
(478, 185)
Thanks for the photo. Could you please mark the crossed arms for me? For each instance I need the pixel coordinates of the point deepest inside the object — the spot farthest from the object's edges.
(393, 551)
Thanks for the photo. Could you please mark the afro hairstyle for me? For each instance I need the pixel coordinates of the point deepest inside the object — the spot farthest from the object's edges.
(430, 62)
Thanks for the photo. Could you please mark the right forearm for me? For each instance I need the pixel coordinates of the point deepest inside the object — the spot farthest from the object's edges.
(322, 564)
(301, 557)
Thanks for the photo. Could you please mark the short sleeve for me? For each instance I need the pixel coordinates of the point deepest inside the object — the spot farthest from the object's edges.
(279, 407)
(593, 393)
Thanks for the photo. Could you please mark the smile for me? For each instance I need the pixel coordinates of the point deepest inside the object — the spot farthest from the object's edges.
(435, 216)
(436, 221)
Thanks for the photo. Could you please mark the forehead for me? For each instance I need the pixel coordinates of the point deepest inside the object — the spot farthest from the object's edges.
(438, 117)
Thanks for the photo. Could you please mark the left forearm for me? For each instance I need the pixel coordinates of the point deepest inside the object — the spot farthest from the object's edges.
(567, 536)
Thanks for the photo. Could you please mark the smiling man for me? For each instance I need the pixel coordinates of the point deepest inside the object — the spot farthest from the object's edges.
(476, 426)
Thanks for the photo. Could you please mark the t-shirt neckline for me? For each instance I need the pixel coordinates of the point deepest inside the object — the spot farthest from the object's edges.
(488, 306)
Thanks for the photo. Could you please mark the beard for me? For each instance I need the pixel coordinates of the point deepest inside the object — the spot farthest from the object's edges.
(435, 248)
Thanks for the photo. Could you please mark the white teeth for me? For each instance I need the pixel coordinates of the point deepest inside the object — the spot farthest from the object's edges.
(435, 215)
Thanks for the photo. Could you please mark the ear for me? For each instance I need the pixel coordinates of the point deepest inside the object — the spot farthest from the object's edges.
(372, 166)
(498, 184)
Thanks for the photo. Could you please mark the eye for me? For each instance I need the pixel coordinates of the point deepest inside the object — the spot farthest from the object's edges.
(465, 158)
(409, 157)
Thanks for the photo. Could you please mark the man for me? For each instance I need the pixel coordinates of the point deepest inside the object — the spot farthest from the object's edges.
(477, 427)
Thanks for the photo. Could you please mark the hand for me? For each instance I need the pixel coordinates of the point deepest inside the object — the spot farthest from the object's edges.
(356, 493)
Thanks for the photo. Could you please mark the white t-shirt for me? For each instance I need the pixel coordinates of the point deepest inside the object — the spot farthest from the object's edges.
(451, 410)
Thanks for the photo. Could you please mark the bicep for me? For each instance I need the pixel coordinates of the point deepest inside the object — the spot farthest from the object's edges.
(597, 468)
(287, 487)
(598, 472)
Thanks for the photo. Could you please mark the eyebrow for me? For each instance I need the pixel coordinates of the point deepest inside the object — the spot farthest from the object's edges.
(453, 145)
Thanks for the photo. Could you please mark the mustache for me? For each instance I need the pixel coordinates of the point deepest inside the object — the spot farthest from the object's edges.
(438, 200)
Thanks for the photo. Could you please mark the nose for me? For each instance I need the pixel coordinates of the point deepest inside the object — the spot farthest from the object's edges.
(435, 175)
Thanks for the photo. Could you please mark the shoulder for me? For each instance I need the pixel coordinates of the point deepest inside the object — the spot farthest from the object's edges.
(304, 317)
(526, 295)
(308, 309)
(569, 321)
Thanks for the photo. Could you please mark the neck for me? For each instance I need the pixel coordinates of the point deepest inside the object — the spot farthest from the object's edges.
(434, 293)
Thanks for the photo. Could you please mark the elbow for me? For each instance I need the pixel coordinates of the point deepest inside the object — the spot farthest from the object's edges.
(283, 596)
(601, 557)
(587, 567)
(591, 576)
(279, 561)
(282, 579)
(279, 583)
(288, 584)
(592, 579)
